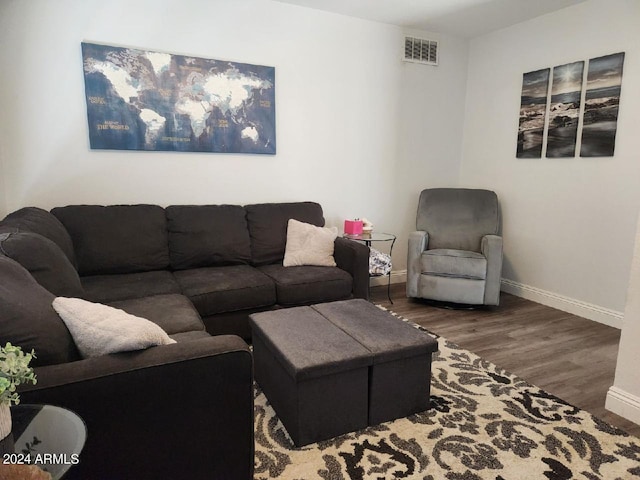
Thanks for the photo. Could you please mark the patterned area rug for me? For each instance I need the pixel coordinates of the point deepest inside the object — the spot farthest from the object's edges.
(485, 423)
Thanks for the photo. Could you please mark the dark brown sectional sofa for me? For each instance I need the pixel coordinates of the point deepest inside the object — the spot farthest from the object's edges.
(175, 411)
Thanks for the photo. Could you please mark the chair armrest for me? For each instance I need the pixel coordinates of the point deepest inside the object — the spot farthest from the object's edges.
(418, 242)
(491, 248)
(353, 257)
(175, 411)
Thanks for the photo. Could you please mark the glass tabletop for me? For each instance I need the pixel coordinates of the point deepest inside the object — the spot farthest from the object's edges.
(47, 436)
(371, 237)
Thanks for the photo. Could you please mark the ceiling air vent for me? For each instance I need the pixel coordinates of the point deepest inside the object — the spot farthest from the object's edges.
(420, 50)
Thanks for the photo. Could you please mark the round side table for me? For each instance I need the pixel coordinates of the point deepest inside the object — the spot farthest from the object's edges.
(47, 436)
(368, 239)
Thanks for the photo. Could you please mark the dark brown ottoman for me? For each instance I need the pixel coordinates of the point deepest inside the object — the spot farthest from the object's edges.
(314, 375)
(400, 376)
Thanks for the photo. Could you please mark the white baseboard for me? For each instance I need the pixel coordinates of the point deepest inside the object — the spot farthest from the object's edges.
(397, 276)
(624, 404)
(596, 313)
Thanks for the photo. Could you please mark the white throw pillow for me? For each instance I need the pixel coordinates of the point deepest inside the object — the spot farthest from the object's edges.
(99, 329)
(309, 245)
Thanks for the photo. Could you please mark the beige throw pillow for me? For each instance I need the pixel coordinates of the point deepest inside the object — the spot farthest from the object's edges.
(99, 329)
(309, 245)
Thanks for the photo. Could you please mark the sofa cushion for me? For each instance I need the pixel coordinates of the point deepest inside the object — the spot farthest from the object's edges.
(189, 336)
(173, 313)
(99, 329)
(117, 238)
(207, 235)
(111, 288)
(268, 227)
(309, 245)
(309, 284)
(454, 263)
(37, 220)
(225, 289)
(27, 318)
(44, 260)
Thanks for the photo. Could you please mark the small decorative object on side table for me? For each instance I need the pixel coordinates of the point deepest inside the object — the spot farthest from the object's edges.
(368, 239)
(14, 371)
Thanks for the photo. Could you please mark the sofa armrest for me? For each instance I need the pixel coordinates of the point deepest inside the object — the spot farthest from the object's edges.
(175, 411)
(491, 248)
(418, 242)
(353, 257)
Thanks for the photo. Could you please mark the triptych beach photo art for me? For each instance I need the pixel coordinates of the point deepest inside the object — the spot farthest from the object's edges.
(563, 105)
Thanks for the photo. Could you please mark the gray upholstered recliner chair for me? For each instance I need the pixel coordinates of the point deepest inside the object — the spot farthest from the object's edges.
(456, 254)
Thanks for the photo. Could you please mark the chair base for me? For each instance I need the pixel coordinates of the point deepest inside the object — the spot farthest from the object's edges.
(451, 305)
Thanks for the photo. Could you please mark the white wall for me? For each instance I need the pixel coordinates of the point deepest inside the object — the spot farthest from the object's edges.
(430, 131)
(623, 397)
(569, 223)
(3, 197)
(340, 93)
(4, 124)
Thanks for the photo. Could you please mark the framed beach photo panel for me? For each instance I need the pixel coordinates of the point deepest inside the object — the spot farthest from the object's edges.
(533, 108)
(564, 110)
(600, 118)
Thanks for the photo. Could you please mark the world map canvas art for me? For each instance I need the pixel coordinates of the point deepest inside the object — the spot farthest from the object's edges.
(145, 100)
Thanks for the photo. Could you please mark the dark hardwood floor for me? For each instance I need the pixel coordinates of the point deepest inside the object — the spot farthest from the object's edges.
(568, 356)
